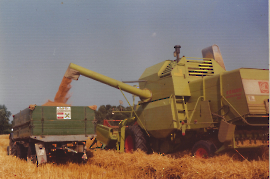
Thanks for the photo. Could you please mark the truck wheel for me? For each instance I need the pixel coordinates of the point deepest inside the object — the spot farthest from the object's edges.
(13, 149)
(21, 153)
(18, 151)
(82, 157)
(31, 154)
(135, 139)
(203, 149)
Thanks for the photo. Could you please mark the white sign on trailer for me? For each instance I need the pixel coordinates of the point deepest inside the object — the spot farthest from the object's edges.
(63, 112)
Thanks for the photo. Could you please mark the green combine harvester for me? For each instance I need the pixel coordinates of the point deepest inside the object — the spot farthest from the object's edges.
(190, 103)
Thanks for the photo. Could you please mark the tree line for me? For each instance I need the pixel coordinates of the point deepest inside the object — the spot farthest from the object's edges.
(5, 126)
(110, 112)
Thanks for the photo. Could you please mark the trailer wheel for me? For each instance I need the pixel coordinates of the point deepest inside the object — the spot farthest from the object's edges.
(13, 149)
(21, 153)
(203, 149)
(7, 150)
(31, 153)
(135, 139)
(18, 151)
(82, 157)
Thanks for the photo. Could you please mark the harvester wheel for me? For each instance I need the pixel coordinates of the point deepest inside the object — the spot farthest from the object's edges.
(203, 149)
(31, 153)
(135, 139)
(129, 146)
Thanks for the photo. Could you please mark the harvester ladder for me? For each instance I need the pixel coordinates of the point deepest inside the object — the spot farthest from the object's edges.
(181, 108)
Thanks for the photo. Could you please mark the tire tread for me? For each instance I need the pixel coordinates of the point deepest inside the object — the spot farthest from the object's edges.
(139, 137)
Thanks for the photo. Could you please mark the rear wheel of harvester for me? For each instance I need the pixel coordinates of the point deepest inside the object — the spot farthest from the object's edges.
(203, 149)
(135, 139)
(31, 153)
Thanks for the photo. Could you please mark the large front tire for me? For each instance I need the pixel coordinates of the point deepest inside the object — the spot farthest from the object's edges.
(135, 139)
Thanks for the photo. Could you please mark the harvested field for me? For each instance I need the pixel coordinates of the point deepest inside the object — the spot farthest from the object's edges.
(110, 164)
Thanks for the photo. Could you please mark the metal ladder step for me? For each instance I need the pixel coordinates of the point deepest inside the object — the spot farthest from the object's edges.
(179, 100)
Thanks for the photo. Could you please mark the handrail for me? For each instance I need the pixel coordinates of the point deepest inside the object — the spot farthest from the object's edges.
(241, 115)
(195, 108)
(133, 110)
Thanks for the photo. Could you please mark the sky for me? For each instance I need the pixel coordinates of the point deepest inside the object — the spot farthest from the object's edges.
(119, 39)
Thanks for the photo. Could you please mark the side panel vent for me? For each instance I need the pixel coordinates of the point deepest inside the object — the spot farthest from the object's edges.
(200, 68)
(168, 69)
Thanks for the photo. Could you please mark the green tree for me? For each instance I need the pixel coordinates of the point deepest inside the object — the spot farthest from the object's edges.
(5, 126)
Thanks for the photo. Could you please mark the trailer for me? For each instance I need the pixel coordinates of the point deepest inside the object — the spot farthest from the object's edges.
(49, 133)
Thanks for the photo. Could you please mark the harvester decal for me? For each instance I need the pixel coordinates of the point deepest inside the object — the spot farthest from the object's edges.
(264, 87)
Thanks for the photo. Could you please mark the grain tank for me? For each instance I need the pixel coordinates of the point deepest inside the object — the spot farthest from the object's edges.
(191, 103)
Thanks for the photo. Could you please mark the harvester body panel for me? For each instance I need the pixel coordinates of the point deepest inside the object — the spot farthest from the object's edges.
(181, 84)
(247, 91)
(158, 117)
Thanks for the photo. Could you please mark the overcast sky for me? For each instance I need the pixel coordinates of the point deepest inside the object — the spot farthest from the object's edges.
(38, 40)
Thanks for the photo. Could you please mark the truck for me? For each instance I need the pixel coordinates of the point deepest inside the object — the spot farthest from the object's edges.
(52, 133)
(190, 103)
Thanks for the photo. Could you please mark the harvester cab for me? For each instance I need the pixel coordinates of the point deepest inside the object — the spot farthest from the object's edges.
(191, 103)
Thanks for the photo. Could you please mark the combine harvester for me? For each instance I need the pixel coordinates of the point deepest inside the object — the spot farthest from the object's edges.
(190, 103)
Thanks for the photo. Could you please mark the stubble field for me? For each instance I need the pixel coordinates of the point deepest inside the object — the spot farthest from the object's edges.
(110, 164)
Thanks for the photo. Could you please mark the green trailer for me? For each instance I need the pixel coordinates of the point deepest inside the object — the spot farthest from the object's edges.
(190, 103)
(44, 132)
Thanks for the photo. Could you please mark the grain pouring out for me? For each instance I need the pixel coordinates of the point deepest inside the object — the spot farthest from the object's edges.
(62, 94)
